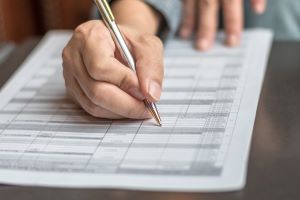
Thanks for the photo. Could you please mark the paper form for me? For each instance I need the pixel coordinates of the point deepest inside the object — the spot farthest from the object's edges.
(207, 107)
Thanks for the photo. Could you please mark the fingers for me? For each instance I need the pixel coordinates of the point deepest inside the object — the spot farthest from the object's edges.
(98, 57)
(148, 52)
(259, 6)
(106, 95)
(233, 21)
(97, 84)
(188, 19)
(78, 95)
(111, 70)
(207, 23)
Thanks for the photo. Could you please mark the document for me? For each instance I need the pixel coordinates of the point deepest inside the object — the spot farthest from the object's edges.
(208, 108)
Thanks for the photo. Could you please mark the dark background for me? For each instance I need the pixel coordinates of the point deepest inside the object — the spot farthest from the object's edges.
(21, 19)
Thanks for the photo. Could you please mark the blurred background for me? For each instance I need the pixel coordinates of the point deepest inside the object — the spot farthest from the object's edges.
(22, 19)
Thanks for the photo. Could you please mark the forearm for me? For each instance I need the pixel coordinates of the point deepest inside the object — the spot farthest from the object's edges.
(136, 14)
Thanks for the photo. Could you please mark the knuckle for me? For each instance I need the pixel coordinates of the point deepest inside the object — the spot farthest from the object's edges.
(81, 31)
(91, 30)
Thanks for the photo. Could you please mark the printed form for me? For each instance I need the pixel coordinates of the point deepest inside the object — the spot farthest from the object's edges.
(207, 107)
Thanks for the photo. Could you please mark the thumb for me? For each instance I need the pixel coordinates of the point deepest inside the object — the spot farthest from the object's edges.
(148, 52)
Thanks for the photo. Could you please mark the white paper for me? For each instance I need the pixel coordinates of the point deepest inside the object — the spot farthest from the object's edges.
(208, 109)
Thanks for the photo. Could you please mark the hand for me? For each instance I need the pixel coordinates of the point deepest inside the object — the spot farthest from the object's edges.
(207, 20)
(97, 78)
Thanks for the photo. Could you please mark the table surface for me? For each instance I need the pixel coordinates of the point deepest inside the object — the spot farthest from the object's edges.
(5, 50)
(274, 162)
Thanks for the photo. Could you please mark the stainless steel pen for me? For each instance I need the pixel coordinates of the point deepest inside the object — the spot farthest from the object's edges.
(118, 37)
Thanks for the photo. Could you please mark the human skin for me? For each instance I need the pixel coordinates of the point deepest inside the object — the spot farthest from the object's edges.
(96, 76)
(201, 17)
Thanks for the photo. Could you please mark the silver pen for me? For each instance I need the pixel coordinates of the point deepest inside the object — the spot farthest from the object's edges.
(119, 40)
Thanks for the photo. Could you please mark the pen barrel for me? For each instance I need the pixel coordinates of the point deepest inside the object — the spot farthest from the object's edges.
(105, 10)
(116, 34)
(120, 42)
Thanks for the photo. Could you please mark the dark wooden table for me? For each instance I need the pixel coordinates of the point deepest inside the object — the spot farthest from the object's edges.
(274, 163)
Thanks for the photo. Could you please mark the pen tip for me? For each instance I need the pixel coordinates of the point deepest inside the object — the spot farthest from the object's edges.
(158, 122)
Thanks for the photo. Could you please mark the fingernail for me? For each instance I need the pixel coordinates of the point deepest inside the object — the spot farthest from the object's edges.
(203, 44)
(154, 90)
(260, 8)
(232, 40)
(135, 92)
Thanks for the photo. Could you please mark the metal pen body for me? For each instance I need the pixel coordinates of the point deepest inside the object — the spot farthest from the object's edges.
(123, 48)
(120, 42)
